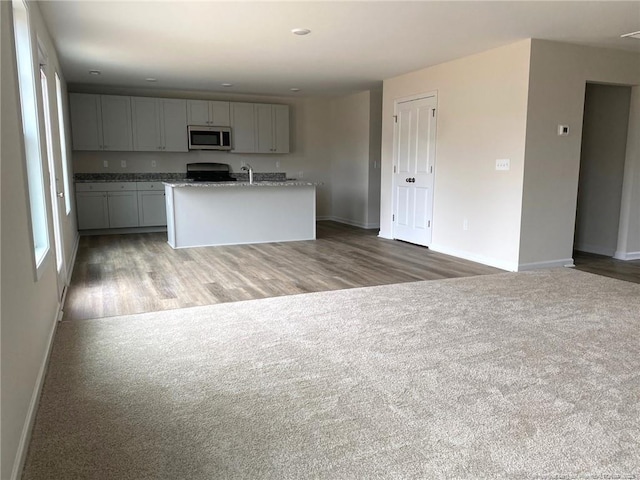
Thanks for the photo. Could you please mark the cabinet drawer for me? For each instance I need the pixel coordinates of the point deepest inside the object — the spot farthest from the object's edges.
(150, 186)
(105, 186)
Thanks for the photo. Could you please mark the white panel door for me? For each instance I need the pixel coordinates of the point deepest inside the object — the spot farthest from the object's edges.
(414, 165)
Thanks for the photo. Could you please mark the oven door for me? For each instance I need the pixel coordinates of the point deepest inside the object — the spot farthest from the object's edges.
(209, 138)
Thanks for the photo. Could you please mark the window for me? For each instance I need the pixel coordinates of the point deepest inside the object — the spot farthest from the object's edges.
(63, 145)
(31, 132)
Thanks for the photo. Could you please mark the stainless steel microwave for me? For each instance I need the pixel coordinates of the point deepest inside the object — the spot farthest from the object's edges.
(209, 138)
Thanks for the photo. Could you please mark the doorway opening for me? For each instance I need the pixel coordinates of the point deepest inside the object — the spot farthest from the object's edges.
(602, 161)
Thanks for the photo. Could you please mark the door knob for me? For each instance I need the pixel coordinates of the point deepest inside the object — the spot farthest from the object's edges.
(60, 194)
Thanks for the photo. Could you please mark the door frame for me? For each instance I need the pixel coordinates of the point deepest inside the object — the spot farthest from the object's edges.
(52, 150)
(394, 163)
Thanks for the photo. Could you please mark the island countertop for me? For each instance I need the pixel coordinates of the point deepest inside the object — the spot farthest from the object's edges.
(264, 183)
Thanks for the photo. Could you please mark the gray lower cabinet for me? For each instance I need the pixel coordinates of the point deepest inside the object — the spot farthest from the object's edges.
(92, 209)
(152, 208)
(102, 205)
(123, 209)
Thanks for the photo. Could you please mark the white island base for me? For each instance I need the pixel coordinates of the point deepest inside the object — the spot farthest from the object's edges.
(201, 215)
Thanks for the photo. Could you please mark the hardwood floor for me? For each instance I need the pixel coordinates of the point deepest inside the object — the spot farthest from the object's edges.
(607, 266)
(124, 274)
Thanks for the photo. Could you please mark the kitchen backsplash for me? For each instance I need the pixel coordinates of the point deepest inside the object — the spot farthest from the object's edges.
(151, 177)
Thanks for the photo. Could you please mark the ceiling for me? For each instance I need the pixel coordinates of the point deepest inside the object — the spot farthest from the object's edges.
(352, 45)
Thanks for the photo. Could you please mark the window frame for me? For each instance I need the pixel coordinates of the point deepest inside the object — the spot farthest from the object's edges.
(31, 136)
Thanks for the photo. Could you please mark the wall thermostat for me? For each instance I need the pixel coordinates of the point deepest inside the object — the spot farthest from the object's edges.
(563, 130)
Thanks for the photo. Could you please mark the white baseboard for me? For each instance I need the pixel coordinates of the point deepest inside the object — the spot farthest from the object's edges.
(25, 437)
(565, 262)
(492, 262)
(597, 249)
(627, 256)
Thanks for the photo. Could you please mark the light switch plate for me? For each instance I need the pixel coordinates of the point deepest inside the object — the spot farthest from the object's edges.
(503, 164)
(563, 130)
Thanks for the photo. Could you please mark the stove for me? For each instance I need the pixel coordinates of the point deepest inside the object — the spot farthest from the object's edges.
(209, 172)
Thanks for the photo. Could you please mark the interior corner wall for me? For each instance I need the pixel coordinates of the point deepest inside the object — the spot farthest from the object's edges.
(629, 233)
(375, 139)
(28, 307)
(602, 158)
(482, 109)
(558, 76)
(350, 127)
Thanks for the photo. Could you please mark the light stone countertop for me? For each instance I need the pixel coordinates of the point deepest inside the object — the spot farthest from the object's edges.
(287, 183)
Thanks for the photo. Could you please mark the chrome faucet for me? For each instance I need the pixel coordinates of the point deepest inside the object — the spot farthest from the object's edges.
(249, 169)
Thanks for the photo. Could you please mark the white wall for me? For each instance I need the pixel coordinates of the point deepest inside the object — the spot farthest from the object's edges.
(629, 233)
(29, 308)
(350, 127)
(559, 73)
(482, 106)
(602, 156)
(375, 145)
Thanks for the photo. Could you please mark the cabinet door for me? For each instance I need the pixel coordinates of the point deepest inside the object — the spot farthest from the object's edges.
(264, 128)
(243, 128)
(198, 112)
(281, 128)
(145, 114)
(152, 209)
(86, 121)
(92, 210)
(219, 114)
(174, 125)
(116, 123)
(123, 209)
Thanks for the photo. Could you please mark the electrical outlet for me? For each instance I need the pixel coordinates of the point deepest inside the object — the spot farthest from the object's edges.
(154, 164)
(503, 164)
(465, 224)
(105, 164)
(300, 174)
(123, 163)
(277, 164)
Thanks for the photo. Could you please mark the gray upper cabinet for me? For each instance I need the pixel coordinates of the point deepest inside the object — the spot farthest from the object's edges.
(159, 124)
(145, 124)
(116, 123)
(86, 121)
(101, 122)
(260, 128)
(205, 112)
(272, 128)
(243, 128)
(174, 131)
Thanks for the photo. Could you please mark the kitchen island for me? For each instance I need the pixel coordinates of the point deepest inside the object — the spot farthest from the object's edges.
(203, 214)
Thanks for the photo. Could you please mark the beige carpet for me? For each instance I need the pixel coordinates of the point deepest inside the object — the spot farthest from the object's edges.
(529, 375)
